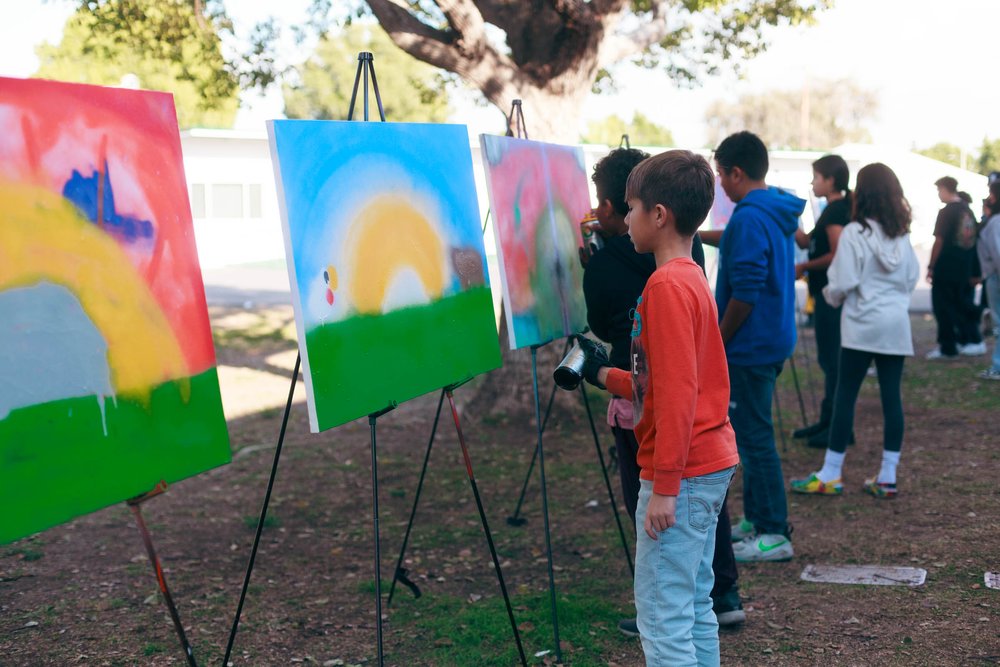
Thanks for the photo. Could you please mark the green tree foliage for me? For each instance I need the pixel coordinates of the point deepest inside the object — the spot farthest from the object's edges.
(411, 91)
(822, 116)
(944, 152)
(169, 45)
(641, 132)
(989, 157)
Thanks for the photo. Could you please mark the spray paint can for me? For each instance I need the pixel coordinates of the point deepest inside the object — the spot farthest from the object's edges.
(592, 239)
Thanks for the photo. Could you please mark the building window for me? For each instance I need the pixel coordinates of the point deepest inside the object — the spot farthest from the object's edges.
(255, 200)
(198, 200)
(227, 200)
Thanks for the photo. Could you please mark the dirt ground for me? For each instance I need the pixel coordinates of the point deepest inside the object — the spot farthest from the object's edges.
(84, 593)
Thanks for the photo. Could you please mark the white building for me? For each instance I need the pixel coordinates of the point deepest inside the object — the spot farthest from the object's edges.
(236, 218)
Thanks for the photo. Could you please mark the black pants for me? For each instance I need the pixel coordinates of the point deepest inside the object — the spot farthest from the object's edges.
(953, 310)
(724, 562)
(853, 367)
(827, 327)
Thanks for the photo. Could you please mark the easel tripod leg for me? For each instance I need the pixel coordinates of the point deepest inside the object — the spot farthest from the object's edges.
(607, 482)
(263, 511)
(400, 572)
(161, 580)
(545, 504)
(515, 519)
(486, 528)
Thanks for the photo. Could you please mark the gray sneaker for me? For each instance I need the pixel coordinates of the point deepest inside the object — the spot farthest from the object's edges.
(761, 548)
(990, 374)
(742, 529)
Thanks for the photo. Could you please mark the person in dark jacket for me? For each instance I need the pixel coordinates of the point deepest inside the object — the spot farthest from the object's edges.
(614, 277)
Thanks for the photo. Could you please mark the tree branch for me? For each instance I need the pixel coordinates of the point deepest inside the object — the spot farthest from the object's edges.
(396, 19)
(469, 54)
(465, 19)
(617, 47)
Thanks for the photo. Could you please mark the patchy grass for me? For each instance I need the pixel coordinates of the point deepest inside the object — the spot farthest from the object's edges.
(311, 595)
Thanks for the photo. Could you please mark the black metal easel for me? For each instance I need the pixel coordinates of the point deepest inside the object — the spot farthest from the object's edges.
(134, 504)
(365, 67)
(624, 143)
(401, 572)
(517, 520)
(516, 128)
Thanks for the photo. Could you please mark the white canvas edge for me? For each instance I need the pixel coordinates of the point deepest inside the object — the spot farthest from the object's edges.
(508, 311)
(300, 331)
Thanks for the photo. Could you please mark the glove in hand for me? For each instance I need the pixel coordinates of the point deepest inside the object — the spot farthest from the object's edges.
(596, 357)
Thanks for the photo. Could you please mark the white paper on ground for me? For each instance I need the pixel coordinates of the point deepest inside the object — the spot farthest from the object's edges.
(992, 580)
(877, 575)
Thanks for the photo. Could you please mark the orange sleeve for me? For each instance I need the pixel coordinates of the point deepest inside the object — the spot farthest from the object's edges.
(619, 383)
(672, 357)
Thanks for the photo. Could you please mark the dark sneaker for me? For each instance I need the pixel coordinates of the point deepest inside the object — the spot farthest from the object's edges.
(628, 627)
(729, 609)
(809, 431)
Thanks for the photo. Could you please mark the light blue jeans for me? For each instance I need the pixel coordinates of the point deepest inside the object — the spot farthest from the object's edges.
(993, 295)
(673, 576)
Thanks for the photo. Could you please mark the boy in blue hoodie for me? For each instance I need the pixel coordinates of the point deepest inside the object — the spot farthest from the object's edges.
(755, 295)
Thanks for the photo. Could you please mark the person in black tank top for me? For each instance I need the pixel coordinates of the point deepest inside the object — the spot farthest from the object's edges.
(830, 180)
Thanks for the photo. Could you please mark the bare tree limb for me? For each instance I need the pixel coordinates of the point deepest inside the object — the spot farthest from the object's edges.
(465, 19)
(397, 20)
(617, 47)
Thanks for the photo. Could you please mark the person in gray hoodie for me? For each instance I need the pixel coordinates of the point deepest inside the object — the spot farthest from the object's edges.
(989, 259)
(873, 275)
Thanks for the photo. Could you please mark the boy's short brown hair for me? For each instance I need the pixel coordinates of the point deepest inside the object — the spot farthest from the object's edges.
(679, 180)
(948, 183)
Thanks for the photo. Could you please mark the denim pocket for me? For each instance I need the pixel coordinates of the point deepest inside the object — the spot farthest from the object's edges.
(700, 514)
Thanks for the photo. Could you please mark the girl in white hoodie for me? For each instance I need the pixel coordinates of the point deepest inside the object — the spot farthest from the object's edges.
(873, 274)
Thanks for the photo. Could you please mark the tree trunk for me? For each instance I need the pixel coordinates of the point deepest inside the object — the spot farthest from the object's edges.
(507, 394)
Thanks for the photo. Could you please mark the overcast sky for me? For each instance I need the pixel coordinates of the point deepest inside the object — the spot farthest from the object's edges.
(927, 61)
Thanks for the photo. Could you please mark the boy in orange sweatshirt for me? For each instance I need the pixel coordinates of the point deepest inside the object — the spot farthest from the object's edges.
(679, 385)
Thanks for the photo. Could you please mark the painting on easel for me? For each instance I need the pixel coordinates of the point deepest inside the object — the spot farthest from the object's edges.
(108, 382)
(386, 262)
(538, 195)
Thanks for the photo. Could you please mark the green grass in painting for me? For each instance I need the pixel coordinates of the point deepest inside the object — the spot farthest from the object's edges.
(56, 461)
(362, 364)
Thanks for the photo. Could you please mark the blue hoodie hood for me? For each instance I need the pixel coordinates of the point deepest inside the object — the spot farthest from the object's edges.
(757, 266)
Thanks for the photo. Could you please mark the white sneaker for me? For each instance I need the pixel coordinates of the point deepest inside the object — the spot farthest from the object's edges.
(990, 374)
(763, 548)
(936, 354)
(972, 349)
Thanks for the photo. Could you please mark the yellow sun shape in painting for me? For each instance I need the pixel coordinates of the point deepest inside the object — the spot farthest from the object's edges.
(44, 238)
(390, 235)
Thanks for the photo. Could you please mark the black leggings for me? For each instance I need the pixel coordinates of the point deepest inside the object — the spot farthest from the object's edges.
(853, 366)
